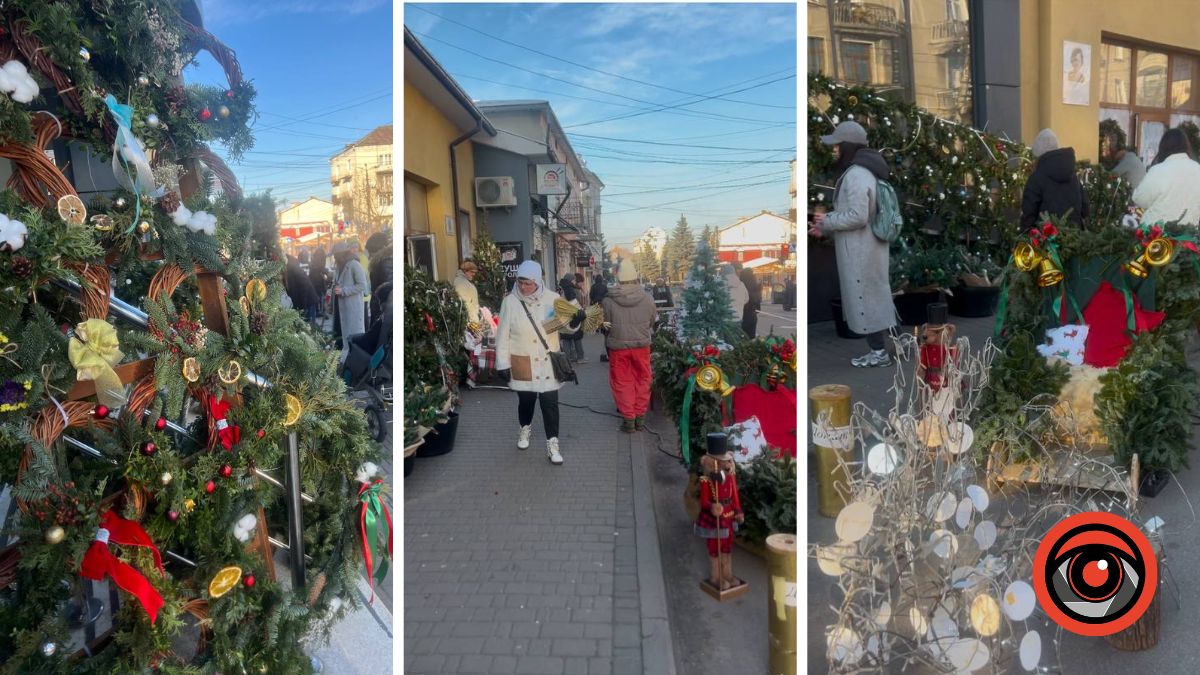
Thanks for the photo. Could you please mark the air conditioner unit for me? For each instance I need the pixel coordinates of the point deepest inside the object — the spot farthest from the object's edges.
(495, 191)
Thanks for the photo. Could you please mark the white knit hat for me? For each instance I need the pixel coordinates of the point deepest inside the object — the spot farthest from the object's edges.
(627, 271)
(1044, 142)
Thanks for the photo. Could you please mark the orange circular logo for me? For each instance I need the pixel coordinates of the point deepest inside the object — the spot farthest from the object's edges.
(1095, 574)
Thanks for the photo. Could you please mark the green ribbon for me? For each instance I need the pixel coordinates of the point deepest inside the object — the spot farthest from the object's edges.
(685, 418)
(1002, 309)
(376, 528)
(1052, 247)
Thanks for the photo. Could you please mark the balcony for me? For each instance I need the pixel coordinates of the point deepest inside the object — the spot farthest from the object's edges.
(864, 17)
(954, 101)
(573, 216)
(948, 36)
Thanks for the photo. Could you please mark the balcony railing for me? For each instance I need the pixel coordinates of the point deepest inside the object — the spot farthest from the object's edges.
(954, 99)
(865, 16)
(572, 216)
(948, 35)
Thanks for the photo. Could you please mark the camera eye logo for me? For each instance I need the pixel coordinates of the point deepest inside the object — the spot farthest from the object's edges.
(1095, 574)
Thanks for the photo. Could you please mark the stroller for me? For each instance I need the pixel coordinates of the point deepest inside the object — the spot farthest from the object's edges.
(368, 367)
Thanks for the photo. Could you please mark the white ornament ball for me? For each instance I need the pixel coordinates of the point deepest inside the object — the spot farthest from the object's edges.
(143, 80)
(166, 478)
(152, 120)
(120, 202)
(49, 649)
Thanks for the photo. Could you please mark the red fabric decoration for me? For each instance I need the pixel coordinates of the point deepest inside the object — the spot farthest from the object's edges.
(99, 562)
(776, 411)
(229, 434)
(1108, 339)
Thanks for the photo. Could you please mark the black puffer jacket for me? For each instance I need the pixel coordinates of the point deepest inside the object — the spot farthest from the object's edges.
(1054, 188)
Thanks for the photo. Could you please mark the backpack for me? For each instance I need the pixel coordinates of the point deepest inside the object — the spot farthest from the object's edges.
(887, 221)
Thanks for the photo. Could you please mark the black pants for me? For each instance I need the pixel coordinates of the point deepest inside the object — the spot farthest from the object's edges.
(875, 340)
(549, 400)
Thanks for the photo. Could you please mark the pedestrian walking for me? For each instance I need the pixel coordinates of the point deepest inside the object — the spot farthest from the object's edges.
(523, 348)
(379, 270)
(862, 258)
(464, 286)
(319, 276)
(349, 287)
(738, 296)
(299, 289)
(1171, 189)
(662, 294)
(1053, 188)
(595, 297)
(629, 316)
(753, 303)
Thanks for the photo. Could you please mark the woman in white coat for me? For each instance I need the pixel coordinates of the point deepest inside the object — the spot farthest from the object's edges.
(523, 361)
(1171, 189)
(348, 288)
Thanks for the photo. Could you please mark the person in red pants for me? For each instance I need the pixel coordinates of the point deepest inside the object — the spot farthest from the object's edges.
(629, 314)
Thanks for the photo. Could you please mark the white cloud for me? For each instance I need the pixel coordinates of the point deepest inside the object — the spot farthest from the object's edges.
(232, 12)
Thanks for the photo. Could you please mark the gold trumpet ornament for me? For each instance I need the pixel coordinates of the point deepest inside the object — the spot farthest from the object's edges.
(1027, 258)
(711, 378)
(1156, 254)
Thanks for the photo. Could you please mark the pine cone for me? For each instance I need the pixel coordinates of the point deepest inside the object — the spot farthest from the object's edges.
(258, 323)
(21, 267)
(314, 592)
(170, 203)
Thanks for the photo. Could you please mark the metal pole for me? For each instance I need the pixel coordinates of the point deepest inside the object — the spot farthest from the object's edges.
(295, 517)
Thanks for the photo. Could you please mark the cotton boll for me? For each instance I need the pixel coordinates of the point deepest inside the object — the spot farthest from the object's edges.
(16, 69)
(12, 233)
(335, 604)
(248, 522)
(241, 535)
(182, 215)
(366, 471)
(23, 95)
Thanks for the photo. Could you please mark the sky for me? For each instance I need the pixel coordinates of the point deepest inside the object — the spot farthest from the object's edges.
(628, 84)
(326, 63)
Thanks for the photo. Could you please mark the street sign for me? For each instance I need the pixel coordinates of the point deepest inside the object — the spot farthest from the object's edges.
(583, 261)
(551, 179)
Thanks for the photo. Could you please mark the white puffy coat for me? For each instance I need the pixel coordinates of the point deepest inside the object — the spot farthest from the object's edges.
(1170, 190)
(518, 347)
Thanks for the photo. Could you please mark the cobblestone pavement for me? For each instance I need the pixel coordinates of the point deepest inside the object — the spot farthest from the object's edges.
(513, 565)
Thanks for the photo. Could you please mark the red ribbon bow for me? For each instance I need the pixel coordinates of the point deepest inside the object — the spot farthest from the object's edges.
(229, 434)
(99, 562)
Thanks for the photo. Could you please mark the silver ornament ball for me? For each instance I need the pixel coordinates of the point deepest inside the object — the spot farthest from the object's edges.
(223, 112)
(166, 478)
(49, 649)
(120, 202)
(143, 80)
(152, 120)
(85, 54)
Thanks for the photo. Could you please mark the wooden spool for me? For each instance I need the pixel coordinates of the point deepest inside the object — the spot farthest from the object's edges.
(833, 399)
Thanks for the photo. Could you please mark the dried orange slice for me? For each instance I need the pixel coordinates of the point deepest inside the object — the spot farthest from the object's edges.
(102, 222)
(294, 410)
(244, 303)
(225, 580)
(230, 373)
(72, 210)
(256, 290)
(191, 369)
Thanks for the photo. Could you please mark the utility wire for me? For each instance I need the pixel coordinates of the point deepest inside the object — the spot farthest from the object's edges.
(594, 70)
(681, 201)
(681, 104)
(682, 145)
(604, 195)
(584, 86)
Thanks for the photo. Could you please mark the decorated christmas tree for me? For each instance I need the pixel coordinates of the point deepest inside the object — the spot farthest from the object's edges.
(153, 392)
(707, 314)
(489, 280)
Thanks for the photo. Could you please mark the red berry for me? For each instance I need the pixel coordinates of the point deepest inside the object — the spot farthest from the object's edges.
(261, 433)
(249, 581)
(210, 487)
(226, 471)
(160, 424)
(172, 516)
(101, 412)
(149, 448)
(229, 94)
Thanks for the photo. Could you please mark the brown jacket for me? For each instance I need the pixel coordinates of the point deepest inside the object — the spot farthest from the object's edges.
(631, 311)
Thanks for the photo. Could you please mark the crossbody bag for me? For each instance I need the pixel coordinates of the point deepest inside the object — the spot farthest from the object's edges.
(564, 370)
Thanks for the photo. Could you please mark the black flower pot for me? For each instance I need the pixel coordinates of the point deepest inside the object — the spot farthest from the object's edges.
(973, 302)
(911, 306)
(409, 463)
(1153, 482)
(441, 439)
(839, 322)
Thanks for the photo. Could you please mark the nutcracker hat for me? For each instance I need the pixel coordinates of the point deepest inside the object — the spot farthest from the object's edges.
(718, 447)
(627, 272)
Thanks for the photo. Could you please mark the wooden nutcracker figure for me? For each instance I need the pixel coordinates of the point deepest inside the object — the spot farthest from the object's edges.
(720, 514)
(937, 347)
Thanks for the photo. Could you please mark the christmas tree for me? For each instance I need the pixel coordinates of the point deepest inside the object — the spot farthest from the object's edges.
(489, 280)
(151, 385)
(707, 314)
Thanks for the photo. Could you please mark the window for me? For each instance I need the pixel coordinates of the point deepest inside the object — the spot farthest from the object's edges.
(420, 250)
(1147, 90)
(385, 160)
(1151, 79)
(416, 208)
(1184, 94)
(816, 55)
(856, 62)
(1115, 65)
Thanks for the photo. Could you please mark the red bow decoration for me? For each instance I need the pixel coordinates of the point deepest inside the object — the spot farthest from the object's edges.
(229, 434)
(99, 562)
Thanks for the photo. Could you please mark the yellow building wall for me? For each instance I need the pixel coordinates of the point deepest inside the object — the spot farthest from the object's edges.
(1045, 24)
(427, 138)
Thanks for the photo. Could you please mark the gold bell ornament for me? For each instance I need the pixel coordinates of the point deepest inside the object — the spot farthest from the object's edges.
(710, 378)
(1027, 258)
(1157, 253)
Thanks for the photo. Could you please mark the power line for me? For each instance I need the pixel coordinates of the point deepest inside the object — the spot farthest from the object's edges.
(584, 86)
(319, 124)
(677, 105)
(595, 70)
(680, 201)
(372, 99)
(682, 145)
(692, 187)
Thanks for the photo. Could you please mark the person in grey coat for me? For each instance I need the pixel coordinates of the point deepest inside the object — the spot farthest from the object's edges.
(348, 288)
(862, 258)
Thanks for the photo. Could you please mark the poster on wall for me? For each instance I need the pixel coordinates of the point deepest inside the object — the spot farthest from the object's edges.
(1077, 72)
(512, 254)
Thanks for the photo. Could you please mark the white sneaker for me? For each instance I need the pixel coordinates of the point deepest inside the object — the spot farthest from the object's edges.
(552, 451)
(876, 358)
(523, 439)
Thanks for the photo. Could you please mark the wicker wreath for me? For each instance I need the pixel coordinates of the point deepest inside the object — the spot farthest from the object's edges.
(96, 288)
(35, 176)
(48, 428)
(227, 59)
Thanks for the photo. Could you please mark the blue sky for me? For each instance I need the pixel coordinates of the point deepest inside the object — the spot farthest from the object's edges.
(329, 63)
(649, 162)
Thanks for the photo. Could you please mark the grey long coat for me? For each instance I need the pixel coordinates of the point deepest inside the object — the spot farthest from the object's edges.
(353, 281)
(862, 258)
